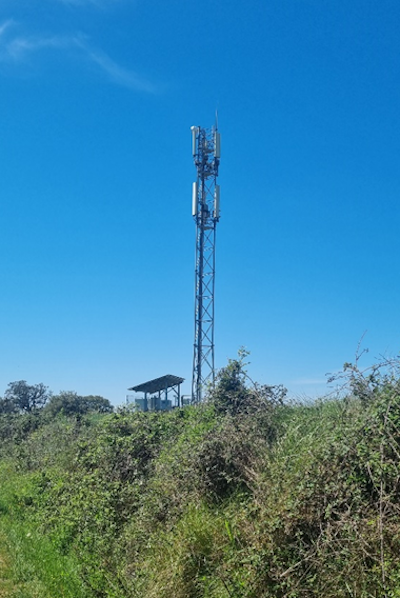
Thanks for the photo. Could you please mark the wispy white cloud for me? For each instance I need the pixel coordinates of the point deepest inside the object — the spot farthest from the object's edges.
(114, 71)
(18, 48)
(4, 26)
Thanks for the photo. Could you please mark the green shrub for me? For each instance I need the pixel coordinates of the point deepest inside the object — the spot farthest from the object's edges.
(245, 496)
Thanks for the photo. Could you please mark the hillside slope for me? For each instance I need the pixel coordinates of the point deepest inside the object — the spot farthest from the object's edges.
(245, 496)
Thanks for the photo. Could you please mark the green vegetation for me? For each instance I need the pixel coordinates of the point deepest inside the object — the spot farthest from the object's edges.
(245, 496)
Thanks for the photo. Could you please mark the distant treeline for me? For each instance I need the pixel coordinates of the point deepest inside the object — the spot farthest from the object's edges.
(20, 398)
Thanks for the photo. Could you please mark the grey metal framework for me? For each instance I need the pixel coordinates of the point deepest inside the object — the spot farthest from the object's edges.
(161, 387)
(205, 210)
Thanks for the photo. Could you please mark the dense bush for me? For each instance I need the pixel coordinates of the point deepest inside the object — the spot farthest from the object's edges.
(245, 496)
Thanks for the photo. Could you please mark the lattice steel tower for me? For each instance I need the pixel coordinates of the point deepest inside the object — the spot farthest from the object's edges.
(206, 147)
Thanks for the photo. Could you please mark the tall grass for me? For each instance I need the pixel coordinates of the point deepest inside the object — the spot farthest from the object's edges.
(34, 567)
(243, 497)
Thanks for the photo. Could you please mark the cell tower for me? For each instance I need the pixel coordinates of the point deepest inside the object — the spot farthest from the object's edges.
(206, 146)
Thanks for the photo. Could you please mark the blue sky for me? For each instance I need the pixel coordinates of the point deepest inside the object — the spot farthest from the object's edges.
(97, 242)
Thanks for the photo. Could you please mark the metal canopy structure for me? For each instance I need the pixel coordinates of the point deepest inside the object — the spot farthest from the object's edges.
(205, 211)
(158, 384)
(163, 388)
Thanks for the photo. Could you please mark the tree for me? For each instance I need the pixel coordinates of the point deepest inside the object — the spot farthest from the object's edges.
(68, 402)
(23, 398)
(7, 407)
(97, 403)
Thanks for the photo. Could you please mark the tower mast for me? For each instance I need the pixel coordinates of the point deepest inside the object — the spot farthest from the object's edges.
(206, 146)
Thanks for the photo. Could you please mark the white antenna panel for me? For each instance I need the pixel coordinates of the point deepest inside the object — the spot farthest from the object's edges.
(216, 201)
(194, 198)
(194, 136)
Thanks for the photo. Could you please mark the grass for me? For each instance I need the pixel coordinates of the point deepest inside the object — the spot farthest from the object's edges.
(30, 565)
(6, 582)
(237, 499)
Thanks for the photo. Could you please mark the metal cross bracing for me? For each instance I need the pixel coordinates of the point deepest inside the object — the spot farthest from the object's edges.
(205, 210)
